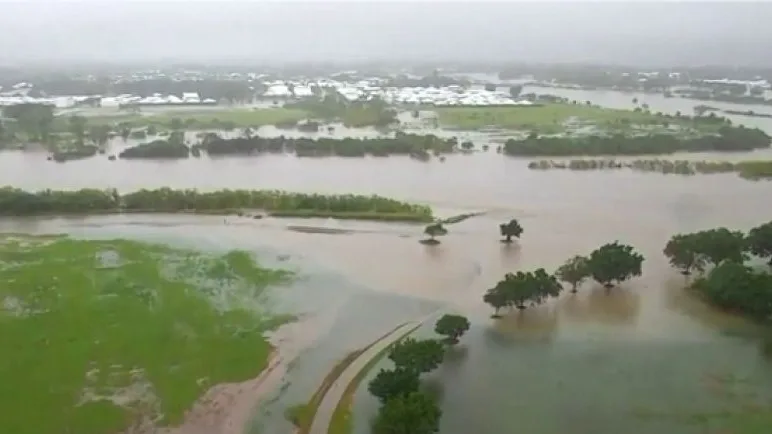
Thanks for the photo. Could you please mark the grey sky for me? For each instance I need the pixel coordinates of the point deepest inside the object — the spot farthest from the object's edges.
(612, 32)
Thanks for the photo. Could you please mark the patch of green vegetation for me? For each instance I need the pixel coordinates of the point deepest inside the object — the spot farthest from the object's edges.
(97, 335)
(554, 118)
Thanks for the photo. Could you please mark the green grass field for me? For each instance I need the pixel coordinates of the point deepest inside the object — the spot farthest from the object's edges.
(96, 334)
(548, 118)
(241, 117)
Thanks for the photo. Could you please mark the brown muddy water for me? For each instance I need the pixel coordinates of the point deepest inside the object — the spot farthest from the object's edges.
(644, 359)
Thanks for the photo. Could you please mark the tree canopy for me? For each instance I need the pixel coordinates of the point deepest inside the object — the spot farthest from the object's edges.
(574, 271)
(414, 413)
(389, 384)
(510, 229)
(521, 289)
(451, 326)
(613, 263)
(683, 252)
(435, 230)
(720, 244)
(760, 241)
(734, 286)
(417, 356)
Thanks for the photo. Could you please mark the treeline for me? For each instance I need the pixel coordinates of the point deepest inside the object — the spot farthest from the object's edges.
(753, 170)
(727, 139)
(16, 202)
(731, 284)
(419, 146)
(609, 265)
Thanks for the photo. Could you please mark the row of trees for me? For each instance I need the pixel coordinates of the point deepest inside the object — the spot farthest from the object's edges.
(746, 169)
(19, 202)
(730, 284)
(609, 265)
(508, 230)
(402, 144)
(405, 409)
(727, 139)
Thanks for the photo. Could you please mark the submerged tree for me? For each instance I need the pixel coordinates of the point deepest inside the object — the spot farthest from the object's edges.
(415, 413)
(452, 326)
(719, 245)
(77, 127)
(732, 285)
(434, 230)
(574, 271)
(511, 229)
(417, 356)
(760, 241)
(683, 253)
(614, 263)
(522, 289)
(390, 384)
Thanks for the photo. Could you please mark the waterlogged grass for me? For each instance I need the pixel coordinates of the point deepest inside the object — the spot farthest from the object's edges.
(98, 335)
(550, 118)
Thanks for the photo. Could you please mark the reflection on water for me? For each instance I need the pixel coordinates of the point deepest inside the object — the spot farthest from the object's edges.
(618, 306)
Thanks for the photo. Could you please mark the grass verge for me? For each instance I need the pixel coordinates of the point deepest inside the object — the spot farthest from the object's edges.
(340, 423)
(302, 415)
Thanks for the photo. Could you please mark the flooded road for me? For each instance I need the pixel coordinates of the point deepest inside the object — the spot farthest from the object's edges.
(645, 359)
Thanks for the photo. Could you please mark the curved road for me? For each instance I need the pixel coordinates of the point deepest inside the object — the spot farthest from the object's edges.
(334, 394)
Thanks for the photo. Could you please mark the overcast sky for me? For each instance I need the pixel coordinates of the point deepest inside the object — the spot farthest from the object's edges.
(648, 33)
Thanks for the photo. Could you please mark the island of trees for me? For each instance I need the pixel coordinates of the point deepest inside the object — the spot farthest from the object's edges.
(752, 169)
(16, 202)
(728, 139)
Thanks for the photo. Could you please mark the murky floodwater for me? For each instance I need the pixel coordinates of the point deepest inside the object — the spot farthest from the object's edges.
(645, 359)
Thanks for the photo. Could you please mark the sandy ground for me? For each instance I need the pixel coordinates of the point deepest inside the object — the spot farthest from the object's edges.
(228, 408)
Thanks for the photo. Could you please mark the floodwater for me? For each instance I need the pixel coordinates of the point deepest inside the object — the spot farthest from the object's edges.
(645, 359)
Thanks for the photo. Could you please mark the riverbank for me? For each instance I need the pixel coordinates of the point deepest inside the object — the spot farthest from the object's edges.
(16, 202)
(125, 331)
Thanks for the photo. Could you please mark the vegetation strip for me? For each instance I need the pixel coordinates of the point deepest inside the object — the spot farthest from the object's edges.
(340, 423)
(302, 415)
(752, 170)
(16, 202)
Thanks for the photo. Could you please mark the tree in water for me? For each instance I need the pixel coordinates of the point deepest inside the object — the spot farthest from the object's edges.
(509, 230)
(574, 271)
(683, 253)
(719, 245)
(496, 298)
(434, 230)
(614, 263)
(452, 327)
(389, 384)
(417, 356)
(415, 413)
(760, 241)
(522, 289)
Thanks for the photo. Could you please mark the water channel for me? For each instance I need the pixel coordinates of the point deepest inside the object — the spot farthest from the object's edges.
(644, 359)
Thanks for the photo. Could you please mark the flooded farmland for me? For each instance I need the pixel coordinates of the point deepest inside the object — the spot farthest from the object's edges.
(645, 359)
